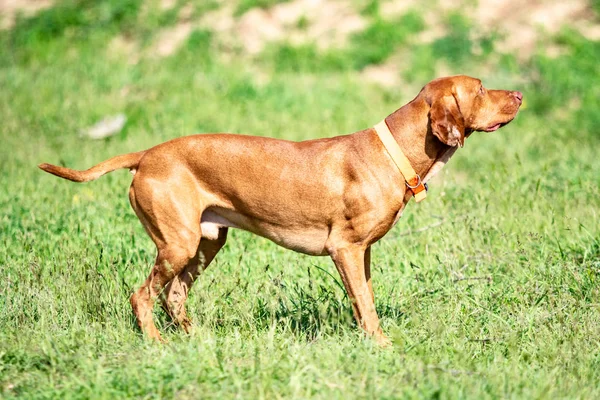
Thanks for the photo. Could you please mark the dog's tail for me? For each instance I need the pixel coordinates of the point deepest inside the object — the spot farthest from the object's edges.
(130, 161)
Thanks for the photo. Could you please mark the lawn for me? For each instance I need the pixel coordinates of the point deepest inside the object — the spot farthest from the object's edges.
(489, 288)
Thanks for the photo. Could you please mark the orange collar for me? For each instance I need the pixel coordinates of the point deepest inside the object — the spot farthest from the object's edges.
(413, 180)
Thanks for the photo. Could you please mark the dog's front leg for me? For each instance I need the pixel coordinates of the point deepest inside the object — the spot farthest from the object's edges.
(350, 261)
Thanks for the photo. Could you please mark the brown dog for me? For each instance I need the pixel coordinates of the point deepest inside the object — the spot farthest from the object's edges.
(333, 196)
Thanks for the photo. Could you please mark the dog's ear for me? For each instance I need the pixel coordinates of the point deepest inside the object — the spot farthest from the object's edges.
(447, 122)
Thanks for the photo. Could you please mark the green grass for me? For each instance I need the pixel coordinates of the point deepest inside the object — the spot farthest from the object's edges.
(499, 300)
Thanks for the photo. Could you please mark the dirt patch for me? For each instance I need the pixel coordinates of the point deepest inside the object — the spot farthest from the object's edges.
(326, 23)
(591, 31)
(385, 75)
(168, 40)
(523, 23)
(9, 9)
(167, 4)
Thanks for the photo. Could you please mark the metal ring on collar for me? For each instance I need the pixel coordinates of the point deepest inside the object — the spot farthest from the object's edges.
(417, 185)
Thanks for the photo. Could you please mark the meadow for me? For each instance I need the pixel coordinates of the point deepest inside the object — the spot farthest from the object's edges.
(489, 288)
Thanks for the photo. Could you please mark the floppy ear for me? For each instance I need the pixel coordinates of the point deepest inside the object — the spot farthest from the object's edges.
(447, 122)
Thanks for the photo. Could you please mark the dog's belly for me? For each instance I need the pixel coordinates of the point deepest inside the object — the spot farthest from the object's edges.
(308, 240)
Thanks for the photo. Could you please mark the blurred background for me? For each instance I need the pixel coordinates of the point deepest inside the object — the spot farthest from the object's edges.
(176, 67)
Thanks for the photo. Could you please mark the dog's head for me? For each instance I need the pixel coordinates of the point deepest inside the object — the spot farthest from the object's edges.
(461, 105)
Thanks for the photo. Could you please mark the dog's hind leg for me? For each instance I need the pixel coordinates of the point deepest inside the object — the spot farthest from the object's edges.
(176, 292)
(170, 213)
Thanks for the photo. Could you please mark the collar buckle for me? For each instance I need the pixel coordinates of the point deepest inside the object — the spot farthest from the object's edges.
(418, 188)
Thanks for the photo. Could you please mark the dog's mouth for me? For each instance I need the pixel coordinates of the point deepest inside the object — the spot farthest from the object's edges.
(495, 127)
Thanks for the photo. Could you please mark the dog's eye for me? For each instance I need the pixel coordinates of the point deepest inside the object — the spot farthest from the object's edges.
(481, 90)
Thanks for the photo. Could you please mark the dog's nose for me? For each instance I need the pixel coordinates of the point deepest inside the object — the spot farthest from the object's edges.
(518, 96)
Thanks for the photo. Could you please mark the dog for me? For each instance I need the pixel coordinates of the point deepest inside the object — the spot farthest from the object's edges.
(335, 196)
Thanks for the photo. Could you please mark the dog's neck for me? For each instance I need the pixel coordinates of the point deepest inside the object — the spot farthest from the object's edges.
(410, 127)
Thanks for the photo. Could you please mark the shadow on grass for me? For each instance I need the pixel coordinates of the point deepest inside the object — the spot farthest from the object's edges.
(310, 309)
(306, 308)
